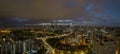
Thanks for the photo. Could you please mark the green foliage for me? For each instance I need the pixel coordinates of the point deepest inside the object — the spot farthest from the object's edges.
(22, 34)
(58, 31)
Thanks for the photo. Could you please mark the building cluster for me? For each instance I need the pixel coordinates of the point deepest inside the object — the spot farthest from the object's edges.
(81, 40)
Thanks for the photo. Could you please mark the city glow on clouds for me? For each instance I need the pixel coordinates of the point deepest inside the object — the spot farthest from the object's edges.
(92, 12)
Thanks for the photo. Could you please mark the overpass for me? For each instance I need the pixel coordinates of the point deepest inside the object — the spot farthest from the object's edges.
(49, 47)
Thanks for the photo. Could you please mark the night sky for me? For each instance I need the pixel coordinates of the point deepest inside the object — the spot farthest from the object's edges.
(83, 12)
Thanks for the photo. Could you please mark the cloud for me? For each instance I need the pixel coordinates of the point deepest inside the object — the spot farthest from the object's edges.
(92, 11)
(42, 8)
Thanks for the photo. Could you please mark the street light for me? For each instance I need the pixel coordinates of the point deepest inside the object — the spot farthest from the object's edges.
(82, 52)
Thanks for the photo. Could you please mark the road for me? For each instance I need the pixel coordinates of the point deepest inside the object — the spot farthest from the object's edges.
(47, 46)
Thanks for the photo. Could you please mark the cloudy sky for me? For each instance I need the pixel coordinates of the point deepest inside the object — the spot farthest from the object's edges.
(83, 12)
